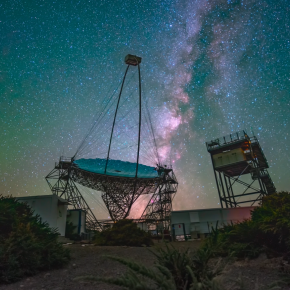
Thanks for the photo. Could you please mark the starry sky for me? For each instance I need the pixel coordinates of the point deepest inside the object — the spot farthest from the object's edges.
(209, 68)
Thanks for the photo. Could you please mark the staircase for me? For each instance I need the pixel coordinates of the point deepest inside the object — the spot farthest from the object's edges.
(258, 152)
(266, 179)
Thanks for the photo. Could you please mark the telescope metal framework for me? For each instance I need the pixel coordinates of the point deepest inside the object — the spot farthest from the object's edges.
(158, 210)
(118, 193)
(62, 185)
(249, 160)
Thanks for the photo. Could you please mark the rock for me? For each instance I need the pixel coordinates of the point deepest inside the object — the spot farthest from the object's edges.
(284, 267)
(262, 257)
(85, 241)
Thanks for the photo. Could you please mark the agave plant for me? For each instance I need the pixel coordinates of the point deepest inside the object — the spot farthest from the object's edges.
(174, 270)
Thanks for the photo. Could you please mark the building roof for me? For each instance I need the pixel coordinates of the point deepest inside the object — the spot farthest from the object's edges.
(60, 200)
(209, 209)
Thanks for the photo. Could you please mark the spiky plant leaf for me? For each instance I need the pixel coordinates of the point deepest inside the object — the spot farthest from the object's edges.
(129, 280)
(164, 280)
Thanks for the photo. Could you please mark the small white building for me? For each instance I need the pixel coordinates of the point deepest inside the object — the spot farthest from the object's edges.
(201, 221)
(51, 208)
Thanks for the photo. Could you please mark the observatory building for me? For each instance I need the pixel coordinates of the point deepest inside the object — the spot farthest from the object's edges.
(200, 222)
(51, 208)
(240, 169)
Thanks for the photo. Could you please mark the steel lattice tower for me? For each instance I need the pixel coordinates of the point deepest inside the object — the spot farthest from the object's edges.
(236, 156)
(159, 207)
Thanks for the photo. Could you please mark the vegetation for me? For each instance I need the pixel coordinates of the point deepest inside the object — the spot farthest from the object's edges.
(69, 229)
(268, 231)
(70, 232)
(123, 233)
(174, 270)
(186, 268)
(27, 244)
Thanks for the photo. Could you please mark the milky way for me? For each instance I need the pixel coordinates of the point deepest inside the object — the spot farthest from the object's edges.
(209, 68)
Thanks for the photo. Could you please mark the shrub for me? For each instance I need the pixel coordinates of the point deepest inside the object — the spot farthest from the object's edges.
(176, 262)
(27, 244)
(123, 233)
(69, 232)
(239, 240)
(273, 218)
(267, 230)
(180, 264)
(69, 229)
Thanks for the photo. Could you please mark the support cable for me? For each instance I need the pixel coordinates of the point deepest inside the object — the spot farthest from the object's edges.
(115, 118)
(140, 111)
(101, 117)
(96, 121)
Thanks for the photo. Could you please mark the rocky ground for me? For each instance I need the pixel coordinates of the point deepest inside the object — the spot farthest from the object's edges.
(89, 260)
(258, 274)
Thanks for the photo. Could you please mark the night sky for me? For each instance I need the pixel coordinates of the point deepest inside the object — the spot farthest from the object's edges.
(209, 68)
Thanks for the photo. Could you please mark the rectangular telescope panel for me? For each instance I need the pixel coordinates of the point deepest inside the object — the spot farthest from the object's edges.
(230, 154)
(132, 59)
(228, 157)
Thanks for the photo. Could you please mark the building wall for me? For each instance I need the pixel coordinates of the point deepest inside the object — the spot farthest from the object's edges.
(201, 221)
(49, 209)
(61, 218)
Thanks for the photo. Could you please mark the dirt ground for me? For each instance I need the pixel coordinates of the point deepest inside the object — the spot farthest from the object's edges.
(90, 260)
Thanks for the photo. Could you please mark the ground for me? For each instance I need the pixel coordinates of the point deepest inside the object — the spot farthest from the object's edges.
(89, 260)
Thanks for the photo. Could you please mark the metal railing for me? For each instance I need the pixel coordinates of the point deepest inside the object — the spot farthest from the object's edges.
(222, 141)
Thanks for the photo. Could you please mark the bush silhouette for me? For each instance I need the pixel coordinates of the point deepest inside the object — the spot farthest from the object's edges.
(123, 233)
(268, 230)
(27, 244)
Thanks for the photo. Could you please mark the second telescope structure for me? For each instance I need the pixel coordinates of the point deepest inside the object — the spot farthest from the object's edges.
(240, 169)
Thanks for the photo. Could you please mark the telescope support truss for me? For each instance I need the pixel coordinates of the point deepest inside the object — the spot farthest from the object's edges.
(254, 190)
(62, 185)
(158, 210)
(118, 193)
